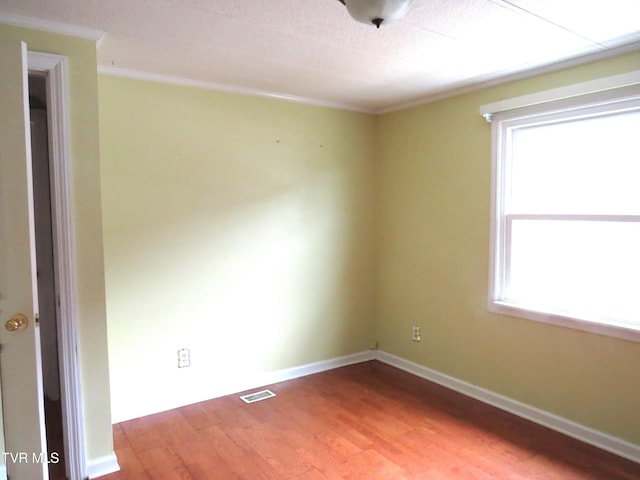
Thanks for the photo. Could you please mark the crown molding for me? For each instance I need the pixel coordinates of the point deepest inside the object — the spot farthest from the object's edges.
(50, 26)
(630, 44)
(221, 87)
(610, 49)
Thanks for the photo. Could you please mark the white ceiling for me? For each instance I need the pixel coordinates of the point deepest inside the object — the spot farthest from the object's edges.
(312, 49)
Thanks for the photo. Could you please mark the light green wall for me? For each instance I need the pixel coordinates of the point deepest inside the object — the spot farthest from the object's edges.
(433, 207)
(85, 172)
(236, 226)
(243, 228)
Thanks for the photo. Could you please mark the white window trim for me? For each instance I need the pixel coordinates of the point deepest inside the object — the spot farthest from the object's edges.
(602, 92)
(598, 86)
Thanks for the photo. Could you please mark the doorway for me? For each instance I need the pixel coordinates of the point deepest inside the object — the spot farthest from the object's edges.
(46, 274)
(23, 410)
(53, 69)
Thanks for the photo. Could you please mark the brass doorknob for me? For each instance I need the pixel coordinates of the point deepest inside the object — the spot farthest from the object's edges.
(17, 322)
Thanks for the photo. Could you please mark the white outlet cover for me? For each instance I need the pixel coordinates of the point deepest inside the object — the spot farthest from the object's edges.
(416, 334)
(184, 358)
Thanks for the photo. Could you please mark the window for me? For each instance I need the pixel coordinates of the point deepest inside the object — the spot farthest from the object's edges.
(566, 218)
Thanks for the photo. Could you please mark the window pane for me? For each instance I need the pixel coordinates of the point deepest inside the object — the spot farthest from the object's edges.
(579, 166)
(588, 269)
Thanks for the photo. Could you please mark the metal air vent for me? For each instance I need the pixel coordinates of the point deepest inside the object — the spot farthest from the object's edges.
(257, 396)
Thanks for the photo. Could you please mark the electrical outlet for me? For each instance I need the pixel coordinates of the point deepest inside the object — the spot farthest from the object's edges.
(184, 358)
(415, 336)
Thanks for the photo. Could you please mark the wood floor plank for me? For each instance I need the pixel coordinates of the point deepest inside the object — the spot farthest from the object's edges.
(364, 422)
(130, 466)
(313, 475)
(164, 456)
(199, 416)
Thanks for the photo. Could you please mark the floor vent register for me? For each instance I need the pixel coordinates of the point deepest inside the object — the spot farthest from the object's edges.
(257, 396)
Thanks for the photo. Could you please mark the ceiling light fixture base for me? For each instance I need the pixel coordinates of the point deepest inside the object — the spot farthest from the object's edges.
(377, 12)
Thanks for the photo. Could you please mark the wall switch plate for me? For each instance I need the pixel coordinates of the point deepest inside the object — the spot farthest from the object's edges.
(184, 358)
(415, 336)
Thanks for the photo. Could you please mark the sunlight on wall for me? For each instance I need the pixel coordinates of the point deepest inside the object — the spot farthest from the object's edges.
(237, 227)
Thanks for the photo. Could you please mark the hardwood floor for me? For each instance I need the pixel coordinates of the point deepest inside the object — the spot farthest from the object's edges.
(368, 421)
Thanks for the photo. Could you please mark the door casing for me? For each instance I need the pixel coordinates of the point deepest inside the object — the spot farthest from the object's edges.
(54, 69)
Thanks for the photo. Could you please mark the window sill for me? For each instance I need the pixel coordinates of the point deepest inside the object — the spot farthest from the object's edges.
(612, 329)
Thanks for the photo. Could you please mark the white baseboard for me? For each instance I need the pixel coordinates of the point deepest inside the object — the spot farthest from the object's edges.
(311, 368)
(109, 464)
(588, 435)
(607, 442)
(251, 382)
(269, 378)
(97, 467)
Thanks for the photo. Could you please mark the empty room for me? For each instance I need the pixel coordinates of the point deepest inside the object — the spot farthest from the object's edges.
(320, 239)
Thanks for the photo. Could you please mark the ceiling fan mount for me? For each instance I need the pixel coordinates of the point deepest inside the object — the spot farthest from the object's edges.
(377, 12)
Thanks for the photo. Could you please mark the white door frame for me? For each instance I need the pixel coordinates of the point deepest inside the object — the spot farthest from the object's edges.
(54, 68)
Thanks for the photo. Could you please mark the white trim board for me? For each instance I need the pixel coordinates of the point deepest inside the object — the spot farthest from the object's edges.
(264, 379)
(588, 435)
(221, 87)
(317, 367)
(55, 69)
(554, 422)
(575, 90)
(486, 81)
(50, 26)
(99, 467)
